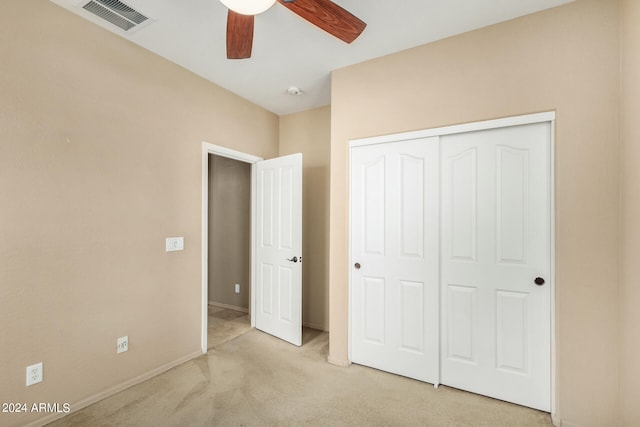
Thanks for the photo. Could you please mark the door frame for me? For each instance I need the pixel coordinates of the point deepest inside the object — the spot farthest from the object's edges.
(542, 117)
(218, 150)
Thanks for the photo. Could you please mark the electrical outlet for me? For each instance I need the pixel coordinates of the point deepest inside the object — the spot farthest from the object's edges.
(237, 288)
(34, 374)
(123, 344)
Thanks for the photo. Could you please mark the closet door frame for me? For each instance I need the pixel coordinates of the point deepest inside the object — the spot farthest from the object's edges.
(471, 127)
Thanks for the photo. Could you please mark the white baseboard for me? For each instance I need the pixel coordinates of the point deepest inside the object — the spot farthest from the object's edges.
(113, 390)
(317, 326)
(228, 306)
(311, 325)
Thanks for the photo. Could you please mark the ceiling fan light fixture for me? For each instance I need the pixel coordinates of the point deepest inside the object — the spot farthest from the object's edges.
(248, 7)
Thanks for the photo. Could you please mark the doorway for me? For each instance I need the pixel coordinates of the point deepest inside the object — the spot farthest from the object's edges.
(229, 242)
(275, 281)
(226, 153)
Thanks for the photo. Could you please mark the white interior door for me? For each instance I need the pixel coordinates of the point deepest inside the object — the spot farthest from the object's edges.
(496, 253)
(395, 257)
(278, 237)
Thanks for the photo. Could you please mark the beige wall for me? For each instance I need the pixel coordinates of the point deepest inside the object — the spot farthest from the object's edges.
(100, 160)
(100, 153)
(564, 60)
(630, 278)
(309, 133)
(229, 231)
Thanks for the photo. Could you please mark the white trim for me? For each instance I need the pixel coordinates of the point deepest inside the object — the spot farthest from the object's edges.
(217, 150)
(350, 263)
(316, 326)
(228, 306)
(205, 248)
(232, 154)
(552, 265)
(564, 423)
(83, 403)
(254, 240)
(450, 130)
(550, 117)
(339, 362)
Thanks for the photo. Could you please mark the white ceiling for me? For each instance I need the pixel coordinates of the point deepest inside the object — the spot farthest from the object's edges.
(288, 50)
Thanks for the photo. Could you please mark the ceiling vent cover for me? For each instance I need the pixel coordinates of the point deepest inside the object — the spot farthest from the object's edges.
(116, 12)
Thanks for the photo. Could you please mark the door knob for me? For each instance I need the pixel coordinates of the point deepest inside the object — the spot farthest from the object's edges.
(294, 259)
(539, 281)
(357, 265)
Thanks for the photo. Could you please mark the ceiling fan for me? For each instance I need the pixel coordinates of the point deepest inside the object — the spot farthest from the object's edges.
(324, 14)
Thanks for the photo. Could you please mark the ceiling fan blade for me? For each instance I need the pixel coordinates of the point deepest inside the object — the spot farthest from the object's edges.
(328, 16)
(239, 35)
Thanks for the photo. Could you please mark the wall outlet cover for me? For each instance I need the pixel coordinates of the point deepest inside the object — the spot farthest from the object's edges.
(34, 374)
(123, 344)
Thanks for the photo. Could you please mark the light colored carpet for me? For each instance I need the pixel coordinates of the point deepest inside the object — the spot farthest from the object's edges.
(225, 324)
(258, 380)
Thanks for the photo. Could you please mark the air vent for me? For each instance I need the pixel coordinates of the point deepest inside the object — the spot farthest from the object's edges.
(116, 12)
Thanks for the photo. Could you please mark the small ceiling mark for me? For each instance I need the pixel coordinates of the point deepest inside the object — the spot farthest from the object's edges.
(294, 91)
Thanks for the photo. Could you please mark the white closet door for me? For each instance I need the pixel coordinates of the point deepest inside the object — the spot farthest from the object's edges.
(395, 257)
(496, 236)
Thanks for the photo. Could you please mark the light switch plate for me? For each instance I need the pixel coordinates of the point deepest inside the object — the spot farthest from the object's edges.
(175, 244)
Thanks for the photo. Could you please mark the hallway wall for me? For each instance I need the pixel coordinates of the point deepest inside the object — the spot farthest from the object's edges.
(229, 231)
(309, 133)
